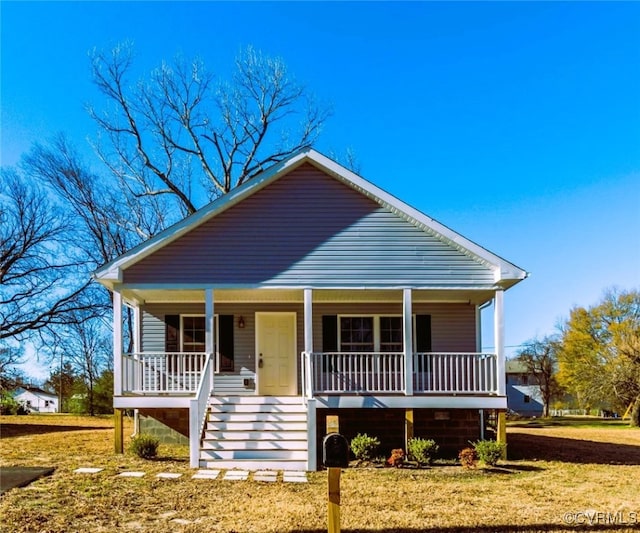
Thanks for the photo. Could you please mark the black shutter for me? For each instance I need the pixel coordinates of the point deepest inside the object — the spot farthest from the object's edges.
(329, 339)
(225, 342)
(423, 338)
(329, 333)
(423, 333)
(172, 333)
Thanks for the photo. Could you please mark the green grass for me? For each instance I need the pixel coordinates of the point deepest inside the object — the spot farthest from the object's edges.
(570, 422)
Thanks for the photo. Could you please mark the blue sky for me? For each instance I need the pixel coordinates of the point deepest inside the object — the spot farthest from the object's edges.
(515, 124)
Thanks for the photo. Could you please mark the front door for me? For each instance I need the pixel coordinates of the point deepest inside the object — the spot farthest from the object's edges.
(276, 354)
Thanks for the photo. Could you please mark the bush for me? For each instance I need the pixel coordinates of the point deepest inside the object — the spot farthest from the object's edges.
(422, 451)
(9, 406)
(490, 451)
(468, 457)
(145, 446)
(364, 447)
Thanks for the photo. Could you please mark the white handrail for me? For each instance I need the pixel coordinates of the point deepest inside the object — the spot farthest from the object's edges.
(198, 411)
(161, 372)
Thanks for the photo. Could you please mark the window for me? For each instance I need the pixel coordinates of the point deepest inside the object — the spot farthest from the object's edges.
(193, 333)
(356, 334)
(527, 398)
(391, 334)
(370, 334)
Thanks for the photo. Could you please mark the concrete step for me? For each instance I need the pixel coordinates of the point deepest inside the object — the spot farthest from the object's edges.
(255, 400)
(254, 445)
(228, 435)
(233, 425)
(256, 417)
(258, 408)
(273, 455)
(253, 464)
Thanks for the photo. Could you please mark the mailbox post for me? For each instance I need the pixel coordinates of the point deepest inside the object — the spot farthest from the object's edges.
(335, 456)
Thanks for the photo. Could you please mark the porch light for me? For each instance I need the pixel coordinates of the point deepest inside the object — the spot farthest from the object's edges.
(241, 322)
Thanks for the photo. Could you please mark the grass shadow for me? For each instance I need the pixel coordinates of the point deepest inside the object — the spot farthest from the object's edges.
(20, 430)
(532, 447)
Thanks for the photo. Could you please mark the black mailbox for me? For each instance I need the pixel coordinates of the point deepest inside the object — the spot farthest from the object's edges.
(335, 451)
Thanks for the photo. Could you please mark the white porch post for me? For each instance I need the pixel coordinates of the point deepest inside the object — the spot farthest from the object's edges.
(407, 322)
(308, 320)
(311, 402)
(137, 329)
(498, 340)
(117, 343)
(209, 322)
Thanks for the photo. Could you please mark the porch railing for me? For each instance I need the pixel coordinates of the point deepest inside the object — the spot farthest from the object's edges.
(160, 373)
(198, 410)
(455, 373)
(384, 373)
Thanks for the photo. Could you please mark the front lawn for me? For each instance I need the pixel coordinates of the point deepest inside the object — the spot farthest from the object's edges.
(558, 478)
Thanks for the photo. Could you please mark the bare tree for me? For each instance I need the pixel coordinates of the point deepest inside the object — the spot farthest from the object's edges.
(42, 281)
(180, 126)
(10, 358)
(540, 358)
(107, 222)
(87, 348)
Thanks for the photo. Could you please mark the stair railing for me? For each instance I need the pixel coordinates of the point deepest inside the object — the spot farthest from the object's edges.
(198, 410)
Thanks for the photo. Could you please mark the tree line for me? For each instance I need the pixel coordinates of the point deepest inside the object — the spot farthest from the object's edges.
(168, 142)
(593, 361)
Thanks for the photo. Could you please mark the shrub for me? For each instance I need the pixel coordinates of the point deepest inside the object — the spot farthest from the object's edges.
(364, 447)
(468, 457)
(490, 451)
(145, 446)
(422, 451)
(9, 406)
(397, 457)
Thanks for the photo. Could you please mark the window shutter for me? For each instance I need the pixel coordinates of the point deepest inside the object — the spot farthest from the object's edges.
(423, 333)
(172, 333)
(225, 342)
(330, 333)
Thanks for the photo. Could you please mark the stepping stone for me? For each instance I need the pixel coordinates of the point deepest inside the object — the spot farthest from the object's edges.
(236, 475)
(131, 474)
(168, 475)
(87, 470)
(266, 476)
(206, 474)
(292, 476)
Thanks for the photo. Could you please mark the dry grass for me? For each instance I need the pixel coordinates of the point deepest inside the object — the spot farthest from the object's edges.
(553, 471)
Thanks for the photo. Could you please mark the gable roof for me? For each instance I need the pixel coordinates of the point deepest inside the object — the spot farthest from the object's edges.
(506, 273)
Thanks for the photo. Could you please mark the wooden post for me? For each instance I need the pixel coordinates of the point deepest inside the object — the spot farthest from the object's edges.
(333, 516)
(502, 430)
(118, 416)
(333, 509)
(408, 427)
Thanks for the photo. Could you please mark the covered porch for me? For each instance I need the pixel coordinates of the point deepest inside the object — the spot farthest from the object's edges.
(403, 377)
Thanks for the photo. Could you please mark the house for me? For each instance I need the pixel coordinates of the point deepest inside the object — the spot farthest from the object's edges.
(523, 392)
(36, 399)
(307, 292)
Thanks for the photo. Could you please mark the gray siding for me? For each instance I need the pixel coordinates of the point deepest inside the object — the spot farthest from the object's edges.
(308, 229)
(453, 326)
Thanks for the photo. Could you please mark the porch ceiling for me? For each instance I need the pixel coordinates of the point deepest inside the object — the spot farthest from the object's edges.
(157, 295)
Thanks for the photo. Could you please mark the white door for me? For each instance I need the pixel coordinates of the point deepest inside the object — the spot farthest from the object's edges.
(276, 354)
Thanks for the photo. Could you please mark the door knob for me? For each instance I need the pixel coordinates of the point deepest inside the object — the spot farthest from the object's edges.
(260, 363)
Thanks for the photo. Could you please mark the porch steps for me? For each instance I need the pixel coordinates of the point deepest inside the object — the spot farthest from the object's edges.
(255, 433)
